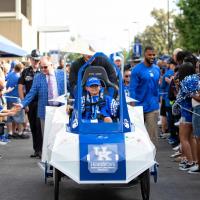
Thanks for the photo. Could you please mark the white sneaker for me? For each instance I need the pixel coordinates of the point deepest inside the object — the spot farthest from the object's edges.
(194, 170)
(3, 143)
(187, 166)
(176, 148)
(195, 167)
(183, 162)
(164, 135)
(159, 123)
(176, 154)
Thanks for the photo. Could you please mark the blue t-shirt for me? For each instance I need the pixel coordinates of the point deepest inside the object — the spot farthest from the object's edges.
(126, 90)
(12, 81)
(165, 86)
(144, 86)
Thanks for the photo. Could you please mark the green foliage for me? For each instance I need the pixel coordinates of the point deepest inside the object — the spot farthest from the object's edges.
(157, 35)
(126, 55)
(188, 24)
(73, 56)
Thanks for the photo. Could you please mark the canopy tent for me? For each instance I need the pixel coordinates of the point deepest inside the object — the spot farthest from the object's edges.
(90, 46)
(10, 49)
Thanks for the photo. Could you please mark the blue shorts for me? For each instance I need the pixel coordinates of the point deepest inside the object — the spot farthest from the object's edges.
(18, 118)
(196, 121)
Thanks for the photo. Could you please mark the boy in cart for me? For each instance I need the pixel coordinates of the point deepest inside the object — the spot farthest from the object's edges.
(96, 106)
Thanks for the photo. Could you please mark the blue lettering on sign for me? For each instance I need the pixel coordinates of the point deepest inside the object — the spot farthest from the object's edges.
(102, 158)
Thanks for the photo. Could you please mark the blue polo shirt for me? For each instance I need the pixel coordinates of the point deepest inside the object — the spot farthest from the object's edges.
(144, 86)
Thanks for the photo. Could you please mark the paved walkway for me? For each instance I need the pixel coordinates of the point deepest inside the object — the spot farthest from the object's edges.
(22, 179)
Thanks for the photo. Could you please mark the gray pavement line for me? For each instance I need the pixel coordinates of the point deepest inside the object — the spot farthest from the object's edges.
(189, 110)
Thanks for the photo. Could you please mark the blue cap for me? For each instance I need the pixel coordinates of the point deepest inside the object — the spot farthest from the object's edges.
(93, 81)
(12, 65)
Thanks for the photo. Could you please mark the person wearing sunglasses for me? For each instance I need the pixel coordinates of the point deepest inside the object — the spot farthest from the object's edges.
(48, 85)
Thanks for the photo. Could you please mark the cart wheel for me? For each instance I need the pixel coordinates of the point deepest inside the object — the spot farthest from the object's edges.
(155, 175)
(145, 184)
(45, 173)
(154, 172)
(57, 178)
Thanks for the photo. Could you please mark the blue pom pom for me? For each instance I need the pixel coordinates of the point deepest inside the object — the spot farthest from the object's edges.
(190, 85)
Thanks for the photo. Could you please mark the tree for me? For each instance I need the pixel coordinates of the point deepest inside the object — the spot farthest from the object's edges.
(157, 34)
(188, 24)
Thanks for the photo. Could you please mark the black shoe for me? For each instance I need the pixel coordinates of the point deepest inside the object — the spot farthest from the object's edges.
(13, 136)
(36, 155)
(23, 136)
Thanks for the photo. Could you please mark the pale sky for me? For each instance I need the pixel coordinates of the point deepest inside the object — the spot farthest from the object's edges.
(102, 20)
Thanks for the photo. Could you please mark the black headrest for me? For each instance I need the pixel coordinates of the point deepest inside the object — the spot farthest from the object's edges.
(99, 72)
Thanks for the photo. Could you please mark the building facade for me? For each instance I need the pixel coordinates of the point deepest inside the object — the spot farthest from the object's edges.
(16, 23)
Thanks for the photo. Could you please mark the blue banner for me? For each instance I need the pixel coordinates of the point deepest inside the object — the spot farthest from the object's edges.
(137, 49)
(102, 157)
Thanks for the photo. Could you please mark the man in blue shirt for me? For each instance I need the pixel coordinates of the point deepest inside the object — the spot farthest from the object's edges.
(48, 85)
(144, 87)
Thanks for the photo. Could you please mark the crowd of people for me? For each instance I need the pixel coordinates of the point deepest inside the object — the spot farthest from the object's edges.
(179, 114)
(161, 86)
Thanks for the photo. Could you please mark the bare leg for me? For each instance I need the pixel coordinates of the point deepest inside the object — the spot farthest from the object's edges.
(185, 131)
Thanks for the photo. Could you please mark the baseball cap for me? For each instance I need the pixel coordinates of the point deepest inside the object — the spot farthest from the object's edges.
(35, 54)
(117, 58)
(93, 81)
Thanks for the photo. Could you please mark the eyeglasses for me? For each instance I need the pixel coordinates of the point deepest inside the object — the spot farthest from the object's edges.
(43, 67)
(127, 76)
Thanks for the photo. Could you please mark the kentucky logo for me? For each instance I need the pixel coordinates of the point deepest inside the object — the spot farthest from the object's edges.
(102, 158)
(126, 123)
(75, 123)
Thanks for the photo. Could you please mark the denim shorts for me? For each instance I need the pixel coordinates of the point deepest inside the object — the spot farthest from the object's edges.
(18, 118)
(196, 121)
(186, 116)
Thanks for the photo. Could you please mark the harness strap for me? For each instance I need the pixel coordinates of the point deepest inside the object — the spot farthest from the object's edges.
(93, 107)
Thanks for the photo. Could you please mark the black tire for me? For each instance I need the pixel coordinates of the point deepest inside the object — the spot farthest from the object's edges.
(57, 178)
(145, 184)
(45, 173)
(155, 176)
